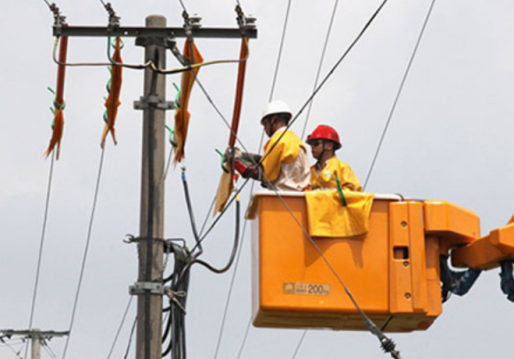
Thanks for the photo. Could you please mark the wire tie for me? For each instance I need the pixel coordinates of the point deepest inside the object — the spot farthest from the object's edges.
(173, 297)
(171, 131)
(177, 97)
(222, 155)
(340, 189)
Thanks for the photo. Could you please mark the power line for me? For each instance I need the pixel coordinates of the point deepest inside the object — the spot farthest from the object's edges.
(275, 75)
(130, 338)
(244, 338)
(400, 89)
(17, 353)
(86, 250)
(279, 57)
(299, 343)
(120, 327)
(49, 350)
(332, 17)
(41, 243)
(229, 295)
(320, 64)
(329, 74)
(183, 6)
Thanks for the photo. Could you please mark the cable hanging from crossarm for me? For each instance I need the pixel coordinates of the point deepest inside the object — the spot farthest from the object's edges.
(261, 141)
(398, 94)
(41, 244)
(86, 251)
(387, 344)
(127, 308)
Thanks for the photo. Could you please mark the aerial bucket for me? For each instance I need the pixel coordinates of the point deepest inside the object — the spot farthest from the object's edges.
(393, 270)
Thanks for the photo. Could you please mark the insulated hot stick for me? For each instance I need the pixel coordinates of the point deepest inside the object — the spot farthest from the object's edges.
(226, 183)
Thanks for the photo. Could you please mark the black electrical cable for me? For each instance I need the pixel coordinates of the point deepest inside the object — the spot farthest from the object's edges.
(190, 211)
(178, 297)
(234, 248)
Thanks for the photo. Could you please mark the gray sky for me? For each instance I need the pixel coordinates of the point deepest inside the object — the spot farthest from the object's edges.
(450, 138)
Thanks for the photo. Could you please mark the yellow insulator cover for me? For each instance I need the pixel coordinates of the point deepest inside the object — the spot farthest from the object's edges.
(328, 217)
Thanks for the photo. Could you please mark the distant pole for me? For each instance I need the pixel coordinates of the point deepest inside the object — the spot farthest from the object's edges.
(36, 344)
(149, 309)
(36, 337)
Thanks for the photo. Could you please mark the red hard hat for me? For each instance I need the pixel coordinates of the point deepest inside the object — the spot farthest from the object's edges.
(324, 132)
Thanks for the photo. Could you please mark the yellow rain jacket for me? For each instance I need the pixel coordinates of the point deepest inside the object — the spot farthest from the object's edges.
(327, 217)
(326, 178)
(286, 165)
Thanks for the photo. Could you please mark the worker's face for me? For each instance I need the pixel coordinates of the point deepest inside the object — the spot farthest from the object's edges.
(317, 148)
(268, 125)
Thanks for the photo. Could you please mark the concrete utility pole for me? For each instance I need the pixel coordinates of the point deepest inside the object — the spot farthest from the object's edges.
(149, 306)
(155, 38)
(36, 345)
(37, 337)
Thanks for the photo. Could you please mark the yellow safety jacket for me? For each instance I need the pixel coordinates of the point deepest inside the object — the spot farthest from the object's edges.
(276, 159)
(326, 178)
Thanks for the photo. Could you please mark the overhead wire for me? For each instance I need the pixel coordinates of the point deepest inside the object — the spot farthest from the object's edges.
(85, 254)
(245, 337)
(386, 343)
(41, 244)
(261, 141)
(398, 94)
(279, 56)
(328, 75)
(297, 350)
(320, 66)
(120, 327)
(49, 350)
(17, 353)
(130, 338)
(307, 117)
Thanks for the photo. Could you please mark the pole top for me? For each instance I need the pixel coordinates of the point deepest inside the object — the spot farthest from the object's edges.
(155, 21)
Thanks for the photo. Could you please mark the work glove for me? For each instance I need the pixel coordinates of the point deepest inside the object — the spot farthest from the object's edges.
(247, 164)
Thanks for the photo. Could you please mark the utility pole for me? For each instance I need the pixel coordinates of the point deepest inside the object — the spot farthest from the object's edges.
(36, 345)
(37, 337)
(149, 306)
(155, 38)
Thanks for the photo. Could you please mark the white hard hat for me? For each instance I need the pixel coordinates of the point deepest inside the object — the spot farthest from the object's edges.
(275, 108)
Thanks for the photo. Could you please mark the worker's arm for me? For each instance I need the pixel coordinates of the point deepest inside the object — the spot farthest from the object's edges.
(349, 180)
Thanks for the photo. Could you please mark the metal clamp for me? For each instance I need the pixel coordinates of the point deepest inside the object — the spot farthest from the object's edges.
(157, 102)
(148, 287)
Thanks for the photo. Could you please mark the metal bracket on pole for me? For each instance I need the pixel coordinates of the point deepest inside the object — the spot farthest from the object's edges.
(148, 287)
(157, 102)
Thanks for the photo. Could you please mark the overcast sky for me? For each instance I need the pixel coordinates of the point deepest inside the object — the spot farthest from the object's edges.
(450, 138)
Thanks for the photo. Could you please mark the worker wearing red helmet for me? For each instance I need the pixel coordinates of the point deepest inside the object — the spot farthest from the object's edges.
(324, 142)
(284, 166)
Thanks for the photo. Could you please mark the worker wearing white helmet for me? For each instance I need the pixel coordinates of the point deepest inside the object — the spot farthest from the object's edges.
(284, 164)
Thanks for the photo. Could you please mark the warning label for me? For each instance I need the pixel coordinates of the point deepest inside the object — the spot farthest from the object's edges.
(306, 288)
